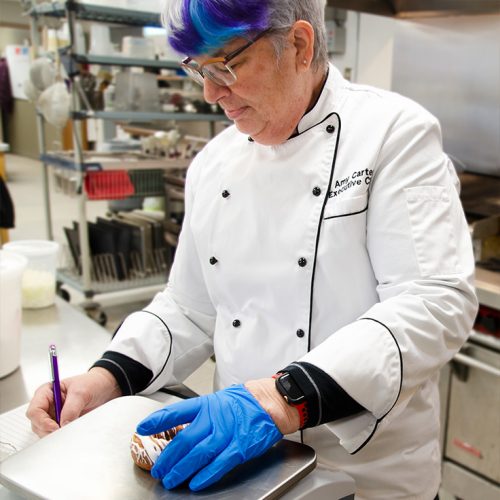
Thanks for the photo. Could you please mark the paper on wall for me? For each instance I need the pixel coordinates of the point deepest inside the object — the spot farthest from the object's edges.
(18, 60)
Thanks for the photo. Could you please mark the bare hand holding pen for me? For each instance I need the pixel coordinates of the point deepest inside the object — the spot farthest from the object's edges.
(80, 394)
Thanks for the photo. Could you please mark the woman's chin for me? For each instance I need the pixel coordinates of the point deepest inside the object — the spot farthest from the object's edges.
(267, 137)
(248, 128)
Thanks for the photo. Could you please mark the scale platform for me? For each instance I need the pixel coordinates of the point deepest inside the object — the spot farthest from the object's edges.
(90, 458)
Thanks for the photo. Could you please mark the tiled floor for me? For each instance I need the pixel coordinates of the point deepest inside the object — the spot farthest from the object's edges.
(25, 183)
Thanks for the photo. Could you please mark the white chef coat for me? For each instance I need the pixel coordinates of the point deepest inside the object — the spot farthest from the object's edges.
(346, 247)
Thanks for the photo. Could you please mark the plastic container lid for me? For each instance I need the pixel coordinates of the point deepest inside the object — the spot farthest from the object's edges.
(33, 248)
(12, 262)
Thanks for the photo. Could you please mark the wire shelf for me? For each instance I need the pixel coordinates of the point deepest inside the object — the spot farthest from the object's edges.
(125, 61)
(149, 116)
(115, 272)
(112, 161)
(98, 13)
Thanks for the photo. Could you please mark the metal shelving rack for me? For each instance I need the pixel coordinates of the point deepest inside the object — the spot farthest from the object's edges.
(72, 11)
(98, 13)
(123, 61)
(104, 161)
(141, 116)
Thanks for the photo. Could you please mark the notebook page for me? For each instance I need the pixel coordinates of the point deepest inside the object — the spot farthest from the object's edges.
(15, 432)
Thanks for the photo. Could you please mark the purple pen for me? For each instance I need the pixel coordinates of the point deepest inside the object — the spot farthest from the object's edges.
(56, 386)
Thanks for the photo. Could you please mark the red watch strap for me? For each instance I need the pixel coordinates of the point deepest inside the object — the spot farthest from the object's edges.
(303, 415)
(301, 407)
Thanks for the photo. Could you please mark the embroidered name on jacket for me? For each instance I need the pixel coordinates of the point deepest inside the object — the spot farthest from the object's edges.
(357, 178)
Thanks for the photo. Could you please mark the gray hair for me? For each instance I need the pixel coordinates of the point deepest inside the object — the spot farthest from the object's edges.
(284, 13)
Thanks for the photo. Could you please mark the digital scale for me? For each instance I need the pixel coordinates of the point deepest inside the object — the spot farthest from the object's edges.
(90, 459)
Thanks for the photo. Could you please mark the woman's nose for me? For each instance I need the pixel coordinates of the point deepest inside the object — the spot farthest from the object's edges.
(212, 92)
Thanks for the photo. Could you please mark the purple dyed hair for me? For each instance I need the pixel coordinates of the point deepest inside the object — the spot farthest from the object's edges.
(204, 26)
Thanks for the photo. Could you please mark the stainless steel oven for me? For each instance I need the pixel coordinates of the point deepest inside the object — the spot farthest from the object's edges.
(470, 392)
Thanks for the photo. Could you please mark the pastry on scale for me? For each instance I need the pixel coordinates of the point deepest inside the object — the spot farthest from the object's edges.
(146, 449)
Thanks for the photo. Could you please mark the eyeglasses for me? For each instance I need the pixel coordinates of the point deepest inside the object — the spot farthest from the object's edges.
(217, 69)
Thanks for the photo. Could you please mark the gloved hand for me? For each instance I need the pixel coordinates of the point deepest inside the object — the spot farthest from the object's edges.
(227, 428)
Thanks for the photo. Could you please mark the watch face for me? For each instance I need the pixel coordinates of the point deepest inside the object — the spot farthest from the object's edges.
(290, 389)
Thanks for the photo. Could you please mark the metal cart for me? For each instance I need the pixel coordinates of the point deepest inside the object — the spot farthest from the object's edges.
(83, 171)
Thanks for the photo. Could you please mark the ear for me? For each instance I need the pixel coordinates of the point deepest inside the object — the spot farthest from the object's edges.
(302, 34)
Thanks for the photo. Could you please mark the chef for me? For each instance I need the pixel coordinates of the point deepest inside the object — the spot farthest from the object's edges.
(324, 259)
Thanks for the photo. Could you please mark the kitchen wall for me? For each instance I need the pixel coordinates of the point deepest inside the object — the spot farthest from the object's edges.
(14, 30)
(451, 65)
(12, 12)
(12, 36)
(368, 57)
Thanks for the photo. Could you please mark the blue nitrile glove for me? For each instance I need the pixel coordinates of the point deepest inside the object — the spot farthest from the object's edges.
(227, 428)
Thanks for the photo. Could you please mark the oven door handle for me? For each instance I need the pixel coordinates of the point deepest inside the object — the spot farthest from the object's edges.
(474, 363)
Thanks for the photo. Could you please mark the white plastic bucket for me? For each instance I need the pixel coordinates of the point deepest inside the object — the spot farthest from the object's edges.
(100, 40)
(138, 47)
(39, 278)
(12, 267)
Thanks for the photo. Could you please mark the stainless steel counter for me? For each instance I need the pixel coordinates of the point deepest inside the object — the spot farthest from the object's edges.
(80, 341)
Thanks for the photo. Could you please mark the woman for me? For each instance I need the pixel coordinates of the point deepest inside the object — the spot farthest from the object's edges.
(323, 243)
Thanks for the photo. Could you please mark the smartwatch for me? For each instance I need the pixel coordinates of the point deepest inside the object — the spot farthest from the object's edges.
(292, 394)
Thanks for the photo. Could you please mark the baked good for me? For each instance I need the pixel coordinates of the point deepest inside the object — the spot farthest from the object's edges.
(146, 449)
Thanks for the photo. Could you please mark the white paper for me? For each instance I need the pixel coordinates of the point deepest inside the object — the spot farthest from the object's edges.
(18, 60)
(15, 432)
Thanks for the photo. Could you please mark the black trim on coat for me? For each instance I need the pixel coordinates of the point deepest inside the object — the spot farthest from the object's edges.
(131, 376)
(320, 93)
(319, 123)
(296, 133)
(321, 215)
(118, 328)
(347, 215)
(320, 222)
(400, 384)
(368, 439)
(169, 351)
